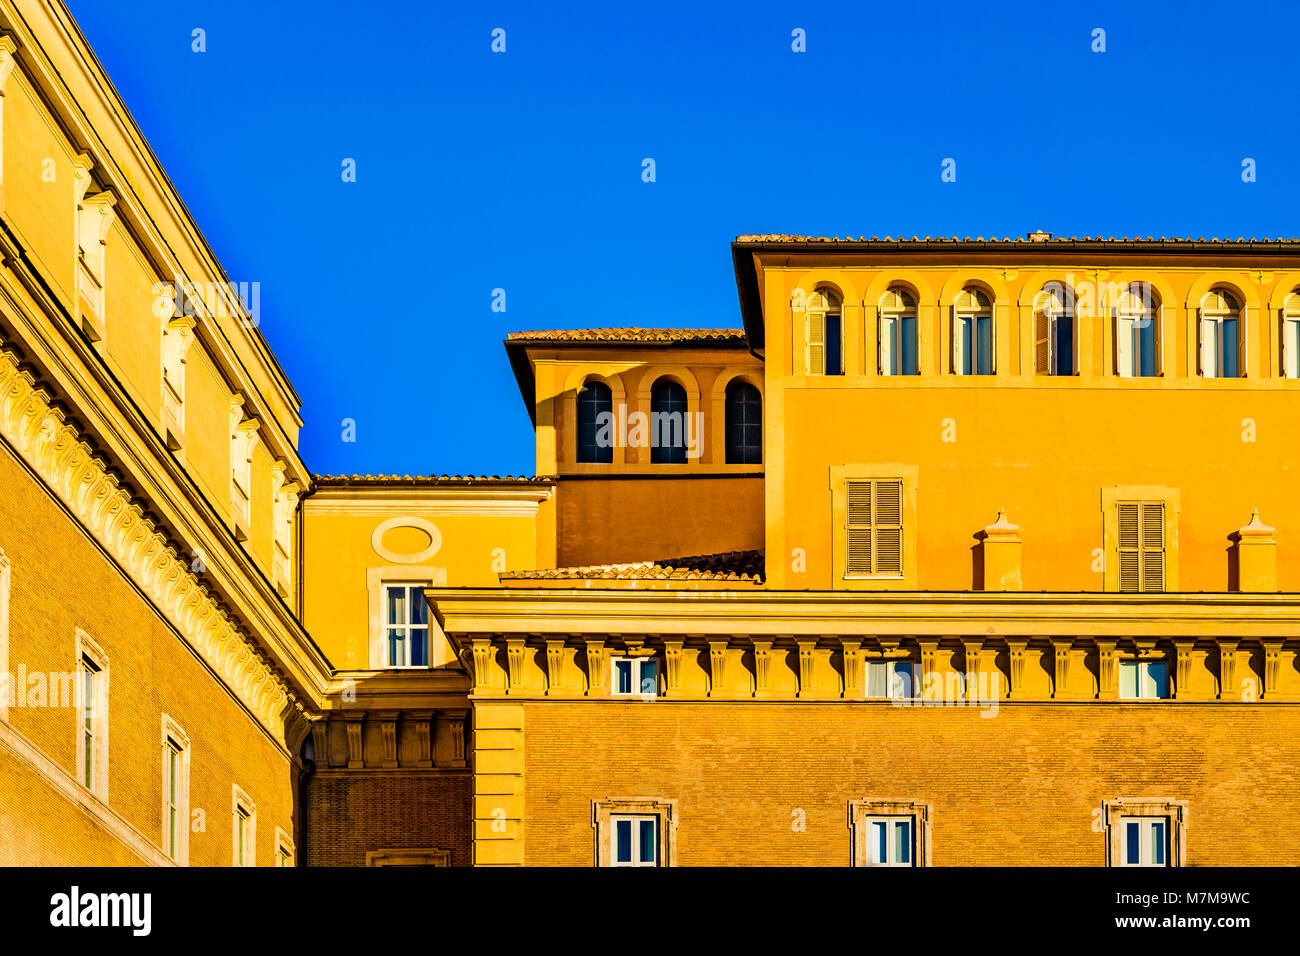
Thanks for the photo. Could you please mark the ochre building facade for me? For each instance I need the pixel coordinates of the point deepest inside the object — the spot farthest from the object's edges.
(954, 552)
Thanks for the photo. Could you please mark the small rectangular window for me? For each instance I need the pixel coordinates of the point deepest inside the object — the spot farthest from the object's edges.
(89, 721)
(874, 527)
(891, 841)
(244, 827)
(635, 677)
(172, 764)
(1141, 532)
(242, 818)
(892, 680)
(1291, 347)
(834, 345)
(636, 841)
(1143, 680)
(1146, 841)
(406, 628)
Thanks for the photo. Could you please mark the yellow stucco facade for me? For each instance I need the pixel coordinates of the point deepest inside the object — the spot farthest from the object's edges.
(981, 548)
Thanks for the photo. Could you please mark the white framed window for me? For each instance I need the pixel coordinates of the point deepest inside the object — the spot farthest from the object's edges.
(243, 439)
(897, 340)
(824, 333)
(1221, 339)
(1137, 332)
(243, 814)
(406, 625)
(890, 832)
(8, 689)
(893, 680)
(175, 791)
(1146, 832)
(1143, 680)
(891, 841)
(973, 334)
(284, 849)
(634, 677)
(635, 840)
(1291, 336)
(1054, 330)
(635, 831)
(92, 715)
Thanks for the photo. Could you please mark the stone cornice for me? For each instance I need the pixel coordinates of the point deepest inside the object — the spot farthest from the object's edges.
(55, 449)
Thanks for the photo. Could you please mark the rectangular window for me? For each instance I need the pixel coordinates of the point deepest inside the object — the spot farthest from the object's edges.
(974, 342)
(1143, 680)
(89, 721)
(242, 822)
(172, 798)
(897, 344)
(636, 841)
(874, 527)
(1141, 535)
(406, 630)
(1145, 841)
(1291, 347)
(892, 680)
(283, 848)
(175, 791)
(891, 841)
(1136, 345)
(244, 829)
(834, 343)
(1220, 343)
(635, 677)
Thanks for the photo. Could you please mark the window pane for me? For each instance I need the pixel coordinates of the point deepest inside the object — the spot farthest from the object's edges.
(1210, 332)
(397, 647)
(879, 842)
(888, 340)
(1157, 680)
(908, 346)
(419, 647)
(1158, 842)
(623, 841)
(419, 607)
(1146, 332)
(623, 677)
(985, 330)
(595, 406)
(1128, 675)
(1230, 369)
(649, 677)
(966, 341)
(903, 842)
(649, 843)
(1063, 345)
(1133, 843)
(834, 363)
(396, 605)
(877, 677)
(903, 680)
(1293, 349)
(668, 423)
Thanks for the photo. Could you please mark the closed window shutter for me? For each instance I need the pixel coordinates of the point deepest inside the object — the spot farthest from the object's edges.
(857, 532)
(1042, 343)
(1129, 546)
(1123, 346)
(1153, 546)
(816, 343)
(889, 527)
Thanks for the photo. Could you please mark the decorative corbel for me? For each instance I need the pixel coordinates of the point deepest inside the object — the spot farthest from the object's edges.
(762, 666)
(595, 668)
(1182, 668)
(1272, 666)
(1016, 647)
(554, 665)
(672, 667)
(807, 657)
(356, 741)
(1227, 667)
(515, 648)
(852, 656)
(388, 734)
(1061, 672)
(717, 667)
(1105, 668)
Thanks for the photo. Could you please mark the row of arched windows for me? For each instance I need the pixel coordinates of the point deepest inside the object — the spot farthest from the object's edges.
(669, 428)
(1136, 315)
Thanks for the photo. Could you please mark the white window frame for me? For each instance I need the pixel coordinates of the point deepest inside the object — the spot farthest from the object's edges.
(173, 736)
(409, 587)
(1290, 341)
(1127, 319)
(1119, 813)
(1142, 681)
(239, 800)
(638, 675)
(895, 305)
(634, 821)
(285, 853)
(966, 313)
(8, 687)
(605, 812)
(1212, 334)
(377, 580)
(893, 687)
(90, 652)
(863, 814)
(890, 825)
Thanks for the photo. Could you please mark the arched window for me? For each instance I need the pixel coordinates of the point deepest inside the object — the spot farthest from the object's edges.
(668, 423)
(744, 424)
(825, 334)
(897, 341)
(595, 423)
(1137, 332)
(972, 333)
(1221, 335)
(1054, 330)
(1291, 336)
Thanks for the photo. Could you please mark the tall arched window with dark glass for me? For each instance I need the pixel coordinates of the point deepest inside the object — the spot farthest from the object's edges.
(668, 423)
(595, 409)
(744, 424)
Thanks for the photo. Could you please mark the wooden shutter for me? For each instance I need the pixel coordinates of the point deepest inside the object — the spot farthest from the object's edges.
(1141, 546)
(1042, 343)
(816, 331)
(889, 527)
(1153, 546)
(857, 533)
(873, 526)
(1203, 326)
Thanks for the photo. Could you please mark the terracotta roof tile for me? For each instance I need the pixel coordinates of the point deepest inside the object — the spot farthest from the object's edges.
(782, 237)
(726, 566)
(633, 335)
(431, 479)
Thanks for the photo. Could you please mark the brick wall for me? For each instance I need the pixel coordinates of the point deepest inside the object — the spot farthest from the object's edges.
(1019, 788)
(61, 581)
(348, 815)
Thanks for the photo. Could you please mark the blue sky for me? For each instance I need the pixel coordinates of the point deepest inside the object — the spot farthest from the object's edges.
(522, 170)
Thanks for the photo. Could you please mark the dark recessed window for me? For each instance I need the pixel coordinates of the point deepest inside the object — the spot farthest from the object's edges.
(744, 424)
(595, 429)
(667, 423)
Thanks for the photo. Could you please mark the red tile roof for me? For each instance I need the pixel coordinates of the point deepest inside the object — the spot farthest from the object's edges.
(343, 480)
(632, 336)
(726, 566)
(781, 237)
